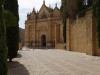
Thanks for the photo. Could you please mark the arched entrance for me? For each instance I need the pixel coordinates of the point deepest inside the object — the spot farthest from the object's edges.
(43, 40)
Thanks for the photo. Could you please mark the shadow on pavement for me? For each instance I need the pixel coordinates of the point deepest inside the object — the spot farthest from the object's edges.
(19, 55)
(41, 47)
(16, 68)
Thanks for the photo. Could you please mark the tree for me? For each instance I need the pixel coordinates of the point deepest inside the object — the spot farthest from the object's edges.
(90, 2)
(10, 22)
(70, 9)
(13, 29)
(64, 17)
(71, 6)
(98, 21)
(3, 48)
(96, 12)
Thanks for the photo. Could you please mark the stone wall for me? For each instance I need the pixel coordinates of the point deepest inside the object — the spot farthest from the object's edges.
(59, 46)
(81, 35)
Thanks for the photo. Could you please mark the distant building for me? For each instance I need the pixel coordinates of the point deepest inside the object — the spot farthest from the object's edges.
(21, 37)
(43, 28)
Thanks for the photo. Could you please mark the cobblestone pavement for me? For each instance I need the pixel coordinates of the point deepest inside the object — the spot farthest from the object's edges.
(54, 62)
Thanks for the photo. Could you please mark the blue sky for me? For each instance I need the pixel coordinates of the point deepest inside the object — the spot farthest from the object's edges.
(26, 6)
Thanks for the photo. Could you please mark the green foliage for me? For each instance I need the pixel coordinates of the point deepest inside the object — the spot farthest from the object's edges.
(64, 30)
(83, 8)
(12, 51)
(94, 7)
(2, 2)
(3, 48)
(12, 6)
(80, 5)
(12, 28)
(72, 8)
(64, 17)
(96, 12)
(63, 10)
(90, 2)
(10, 21)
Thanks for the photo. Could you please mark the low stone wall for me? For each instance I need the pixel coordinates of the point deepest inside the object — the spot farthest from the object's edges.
(59, 46)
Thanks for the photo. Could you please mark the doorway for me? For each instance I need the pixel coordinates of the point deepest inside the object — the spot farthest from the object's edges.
(43, 40)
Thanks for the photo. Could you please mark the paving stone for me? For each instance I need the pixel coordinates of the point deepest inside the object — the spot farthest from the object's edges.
(54, 62)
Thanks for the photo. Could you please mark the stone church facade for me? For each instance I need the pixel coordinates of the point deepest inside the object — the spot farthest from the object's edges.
(43, 28)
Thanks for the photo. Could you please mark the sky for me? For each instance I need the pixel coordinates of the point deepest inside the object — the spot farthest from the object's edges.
(26, 6)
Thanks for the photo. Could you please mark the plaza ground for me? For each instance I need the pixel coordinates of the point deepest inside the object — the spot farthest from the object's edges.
(53, 62)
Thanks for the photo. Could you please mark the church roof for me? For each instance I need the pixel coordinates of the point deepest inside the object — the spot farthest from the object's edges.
(49, 8)
(56, 8)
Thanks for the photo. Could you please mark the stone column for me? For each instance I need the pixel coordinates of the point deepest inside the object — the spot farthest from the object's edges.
(26, 35)
(55, 36)
(33, 37)
(68, 35)
(36, 37)
(61, 34)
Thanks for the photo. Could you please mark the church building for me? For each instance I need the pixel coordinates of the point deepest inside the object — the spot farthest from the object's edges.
(43, 28)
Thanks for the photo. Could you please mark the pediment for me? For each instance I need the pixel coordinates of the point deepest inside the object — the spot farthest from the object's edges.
(56, 9)
(43, 9)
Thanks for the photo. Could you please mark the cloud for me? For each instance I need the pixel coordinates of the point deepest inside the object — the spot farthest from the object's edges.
(26, 6)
